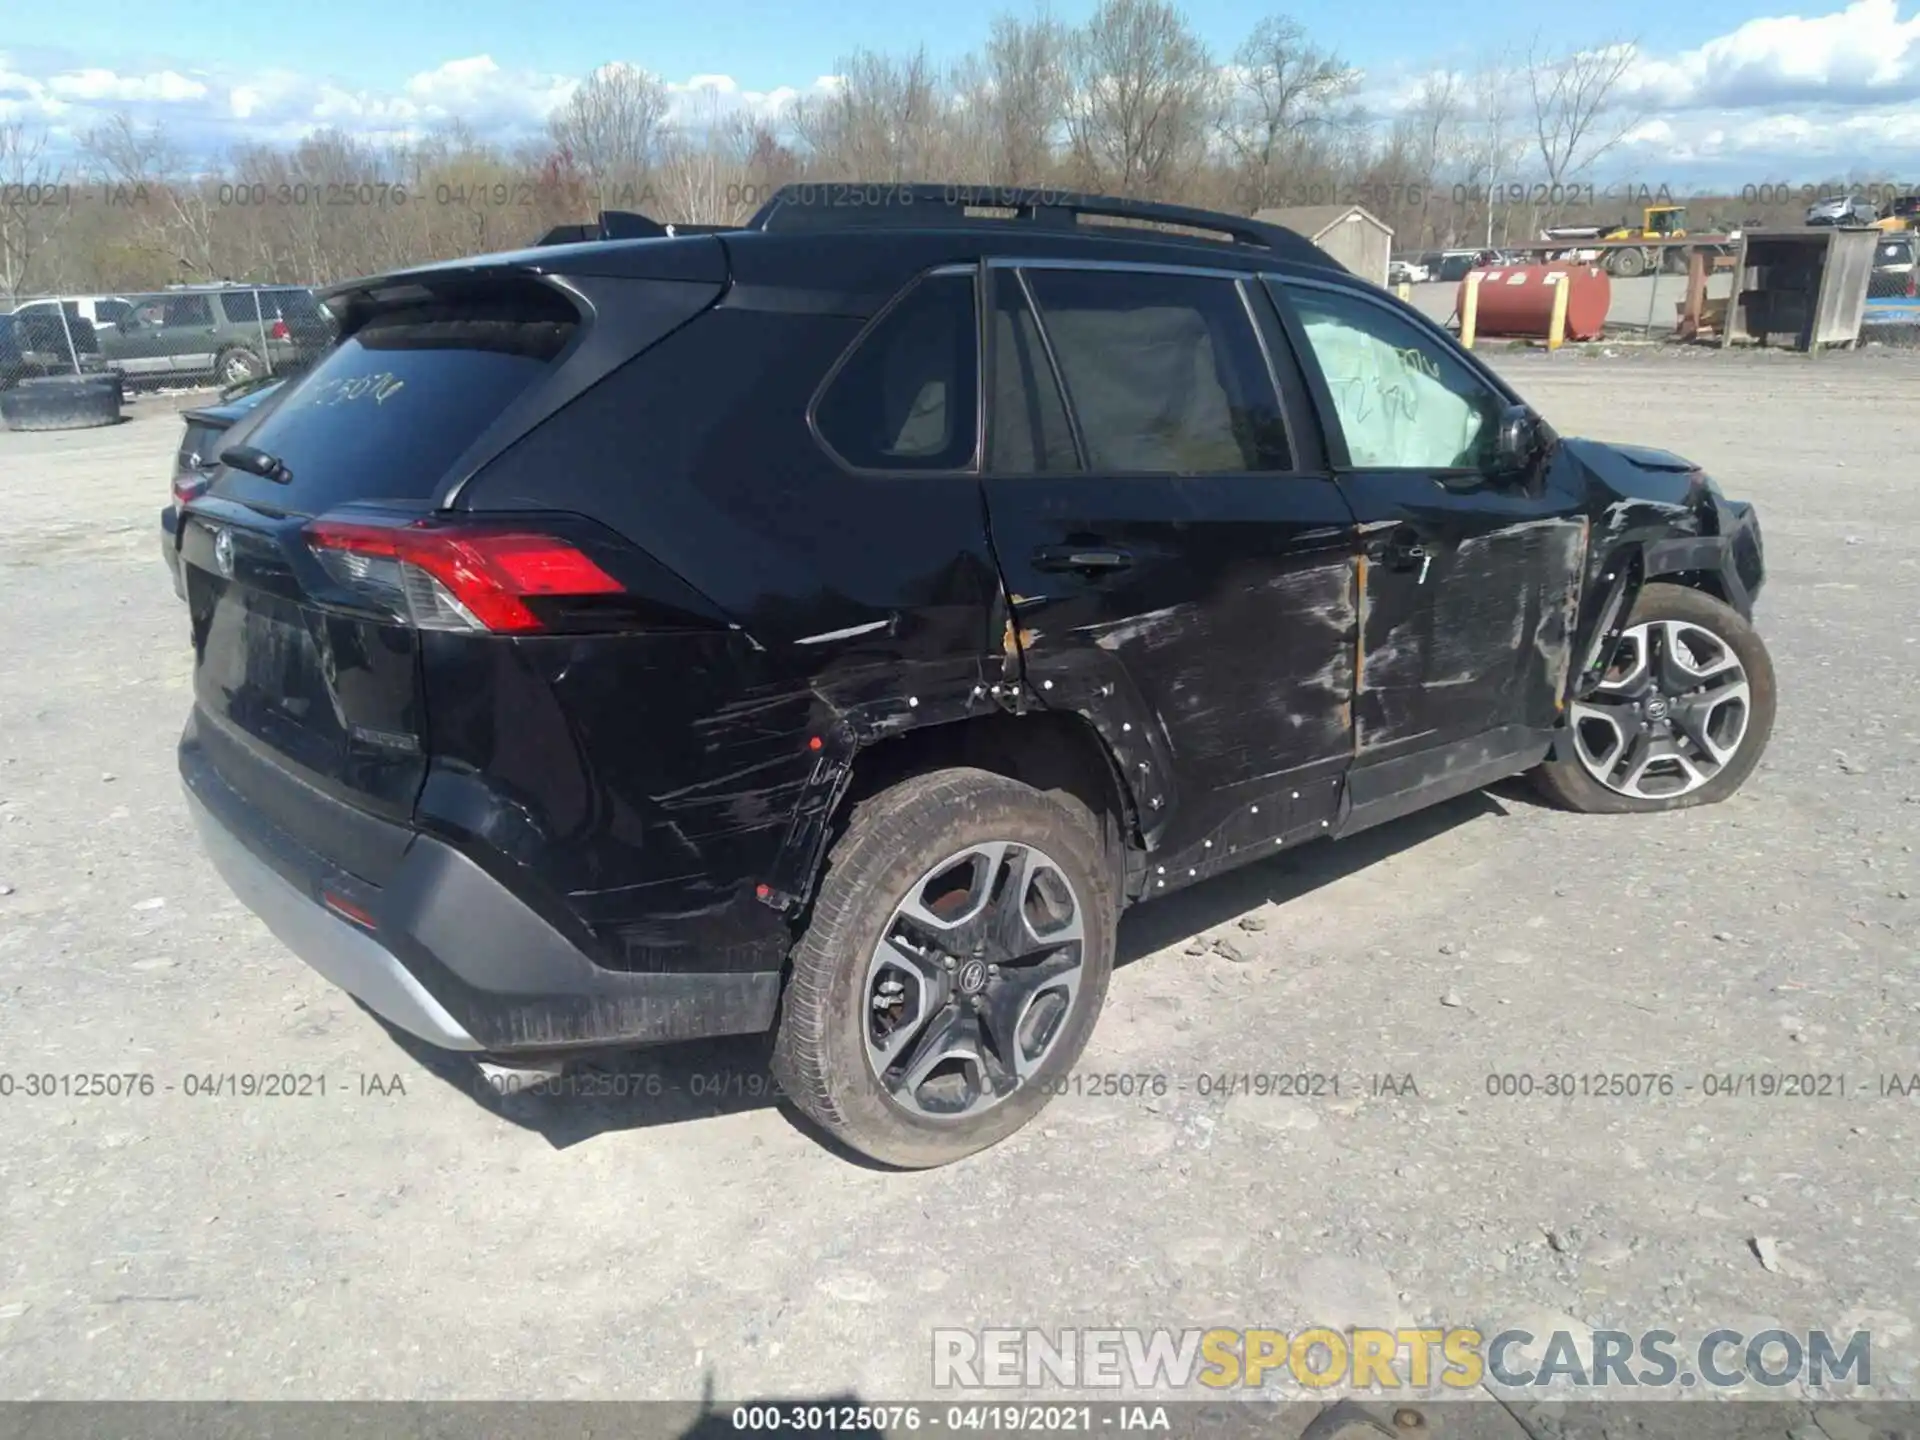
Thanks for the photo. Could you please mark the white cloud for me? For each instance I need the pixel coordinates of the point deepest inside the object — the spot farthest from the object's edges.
(1864, 54)
(1778, 94)
(95, 85)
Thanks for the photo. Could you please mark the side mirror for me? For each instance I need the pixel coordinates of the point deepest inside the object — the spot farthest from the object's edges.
(1516, 441)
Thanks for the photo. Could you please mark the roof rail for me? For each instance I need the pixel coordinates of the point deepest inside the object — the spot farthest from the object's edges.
(920, 206)
(624, 225)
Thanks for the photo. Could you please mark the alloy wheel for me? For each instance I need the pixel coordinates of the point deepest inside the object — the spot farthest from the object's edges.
(1668, 715)
(973, 980)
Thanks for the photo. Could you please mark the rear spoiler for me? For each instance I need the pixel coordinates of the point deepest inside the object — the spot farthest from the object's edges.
(625, 225)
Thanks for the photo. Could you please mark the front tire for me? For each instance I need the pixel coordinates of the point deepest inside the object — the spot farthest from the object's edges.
(1680, 718)
(956, 960)
(1627, 264)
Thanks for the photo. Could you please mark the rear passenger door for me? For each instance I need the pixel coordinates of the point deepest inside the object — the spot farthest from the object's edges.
(1176, 559)
(186, 337)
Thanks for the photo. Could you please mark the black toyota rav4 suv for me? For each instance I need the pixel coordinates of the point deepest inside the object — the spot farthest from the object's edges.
(828, 626)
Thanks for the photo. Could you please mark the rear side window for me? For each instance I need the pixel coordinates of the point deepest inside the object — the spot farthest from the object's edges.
(385, 412)
(187, 310)
(906, 397)
(241, 306)
(1163, 372)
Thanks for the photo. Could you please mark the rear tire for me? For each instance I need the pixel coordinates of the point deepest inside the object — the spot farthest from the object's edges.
(855, 1010)
(237, 364)
(1718, 746)
(62, 402)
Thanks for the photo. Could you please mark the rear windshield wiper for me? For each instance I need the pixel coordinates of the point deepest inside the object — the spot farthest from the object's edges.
(256, 461)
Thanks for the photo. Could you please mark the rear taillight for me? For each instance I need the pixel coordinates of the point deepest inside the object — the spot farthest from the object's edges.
(455, 577)
(279, 331)
(189, 486)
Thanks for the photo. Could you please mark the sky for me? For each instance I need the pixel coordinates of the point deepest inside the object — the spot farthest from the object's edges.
(1722, 91)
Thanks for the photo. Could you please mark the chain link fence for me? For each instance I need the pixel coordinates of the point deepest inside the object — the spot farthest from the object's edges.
(1658, 297)
(1674, 293)
(188, 338)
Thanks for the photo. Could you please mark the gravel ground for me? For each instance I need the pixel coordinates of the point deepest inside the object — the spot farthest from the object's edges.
(397, 1238)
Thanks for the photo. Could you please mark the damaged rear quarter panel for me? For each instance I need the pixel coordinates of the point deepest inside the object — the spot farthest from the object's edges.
(652, 783)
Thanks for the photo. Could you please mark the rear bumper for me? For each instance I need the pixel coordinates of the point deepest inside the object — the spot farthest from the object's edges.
(343, 953)
(449, 953)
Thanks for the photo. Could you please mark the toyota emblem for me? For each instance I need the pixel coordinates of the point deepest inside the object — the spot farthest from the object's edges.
(223, 552)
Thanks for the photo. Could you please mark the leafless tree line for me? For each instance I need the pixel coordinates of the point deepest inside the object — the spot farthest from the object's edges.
(1130, 103)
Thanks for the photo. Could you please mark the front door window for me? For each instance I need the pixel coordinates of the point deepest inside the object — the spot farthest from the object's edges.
(1403, 401)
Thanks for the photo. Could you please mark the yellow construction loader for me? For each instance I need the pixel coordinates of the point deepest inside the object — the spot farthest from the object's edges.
(1657, 222)
(1899, 213)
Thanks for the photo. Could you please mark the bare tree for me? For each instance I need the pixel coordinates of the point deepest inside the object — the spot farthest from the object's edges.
(885, 121)
(610, 124)
(1574, 119)
(703, 165)
(1144, 95)
(149, 177)
(1494, 145)
(1435, 118)
(1285, 93)
(1027, 80)
(31, 203)
(769, 162)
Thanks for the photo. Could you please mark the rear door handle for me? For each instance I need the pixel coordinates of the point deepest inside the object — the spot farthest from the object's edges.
(1082, 558)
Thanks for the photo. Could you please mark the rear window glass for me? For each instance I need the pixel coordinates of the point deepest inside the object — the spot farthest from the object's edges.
(199, 444)
(240, 305)
(906, 397)
(385, 413)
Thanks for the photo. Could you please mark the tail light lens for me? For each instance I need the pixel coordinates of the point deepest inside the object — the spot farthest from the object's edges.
(190, 485)
(440, 576)
(279, 331)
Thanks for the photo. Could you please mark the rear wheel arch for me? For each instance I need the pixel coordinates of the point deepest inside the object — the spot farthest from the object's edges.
(235, 362)
(1056, 753)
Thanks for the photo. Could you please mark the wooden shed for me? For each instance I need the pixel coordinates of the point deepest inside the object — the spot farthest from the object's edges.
(1358, 240)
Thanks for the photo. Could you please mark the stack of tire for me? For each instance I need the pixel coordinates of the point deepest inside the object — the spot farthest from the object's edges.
(64, 402)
